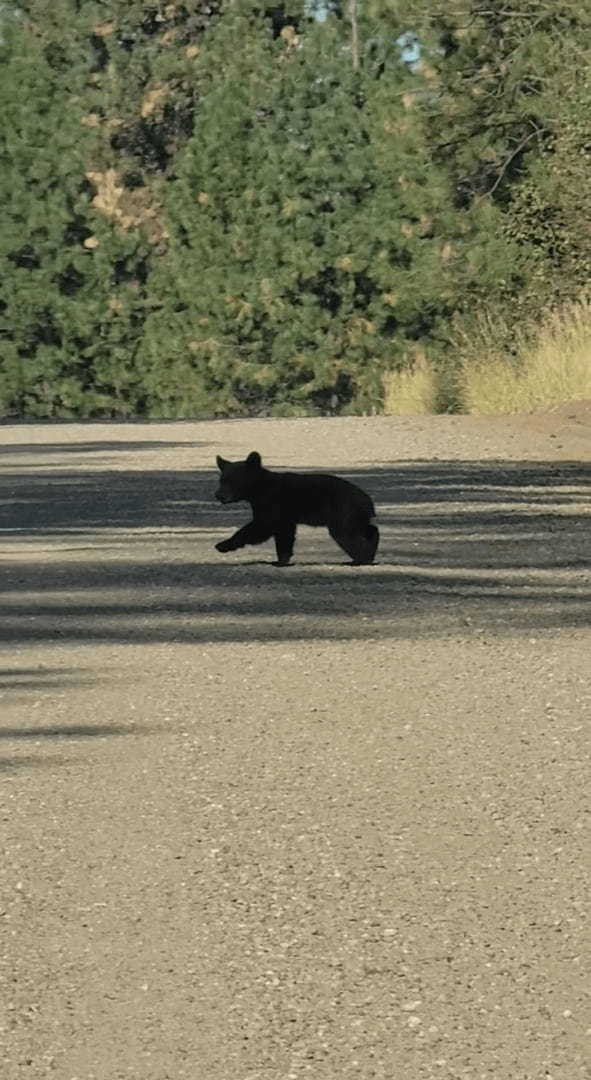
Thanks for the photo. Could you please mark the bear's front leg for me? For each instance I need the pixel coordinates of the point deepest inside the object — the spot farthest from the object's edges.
(227, 545)
(253, 533)
(284, 541)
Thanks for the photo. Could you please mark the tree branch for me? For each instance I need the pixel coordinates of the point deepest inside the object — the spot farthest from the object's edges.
(354, 34)
(507, 162)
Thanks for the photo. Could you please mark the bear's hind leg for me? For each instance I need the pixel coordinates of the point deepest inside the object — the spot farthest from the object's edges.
(360, 542)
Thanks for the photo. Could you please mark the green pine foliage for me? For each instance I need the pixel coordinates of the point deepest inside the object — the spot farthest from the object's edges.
(67, 314)
(505, 104)
(551, 208)
(87, 131)
(220, 209)
(313, 245)
(42, 260)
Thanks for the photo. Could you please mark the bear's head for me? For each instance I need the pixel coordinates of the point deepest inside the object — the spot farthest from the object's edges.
(239, 479)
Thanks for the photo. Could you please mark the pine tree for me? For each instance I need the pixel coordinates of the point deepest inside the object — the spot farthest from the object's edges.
(504, 101)
(487, 69)
(234, 209)
(551, 208)
(44, 261)
(312, 241)
(88, 130)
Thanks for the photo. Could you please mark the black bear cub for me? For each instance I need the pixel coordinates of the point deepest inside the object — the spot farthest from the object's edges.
(282, 501)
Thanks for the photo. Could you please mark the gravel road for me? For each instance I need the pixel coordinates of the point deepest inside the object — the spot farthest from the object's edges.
(325, 822)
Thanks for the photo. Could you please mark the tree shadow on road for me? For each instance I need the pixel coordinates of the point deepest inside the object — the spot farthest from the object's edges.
(106, 446)
(12, 765)
(18, 682)
(467, 547)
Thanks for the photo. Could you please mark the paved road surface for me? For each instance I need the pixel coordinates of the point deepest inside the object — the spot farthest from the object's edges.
(322, 822)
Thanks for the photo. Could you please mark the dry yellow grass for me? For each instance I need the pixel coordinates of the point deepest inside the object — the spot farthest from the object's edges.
(412, 392)
(550, 363)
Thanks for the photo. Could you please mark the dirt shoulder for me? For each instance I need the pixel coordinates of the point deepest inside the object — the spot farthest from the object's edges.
(330, 822)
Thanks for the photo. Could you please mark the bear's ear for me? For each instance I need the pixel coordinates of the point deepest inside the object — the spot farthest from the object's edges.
(221, 462)
(254, 460)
